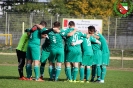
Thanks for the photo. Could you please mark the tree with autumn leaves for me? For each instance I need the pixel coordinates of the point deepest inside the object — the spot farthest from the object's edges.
(88, 9)
(91, 7)
(79, 8)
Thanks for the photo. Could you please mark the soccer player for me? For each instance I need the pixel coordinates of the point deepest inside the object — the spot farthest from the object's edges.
(45, 49)
(87, 54)
(73, 53)
(21, 53)
(56, 51)
(97, 58)
(33, 52)
(105, 57)
(44, 55)
(105, 53)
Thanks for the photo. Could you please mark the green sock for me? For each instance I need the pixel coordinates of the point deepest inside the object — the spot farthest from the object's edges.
(66, 72)
(75, 72)
(69, 73)
(41, 70)
(54, 72)
(81, 73)
(98, 72)
(28, 70)
(103, 72)
(88, 74)
(51, 72)
(36, 70)
(58, 70)
(93, 73)
(31, 71)
(72, 71)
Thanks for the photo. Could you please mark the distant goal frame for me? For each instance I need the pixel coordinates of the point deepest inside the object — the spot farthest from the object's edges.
(8, 39)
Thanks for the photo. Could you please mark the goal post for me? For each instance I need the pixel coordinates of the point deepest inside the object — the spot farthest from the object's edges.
(7, 36)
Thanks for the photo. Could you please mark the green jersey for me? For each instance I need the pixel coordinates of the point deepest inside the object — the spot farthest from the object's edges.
(46, 44)
(23, 42)
(73, 53)
(70, 39)
(56, 40)
(86, 45)
(35, 37)
(95, 46)
(104, 45)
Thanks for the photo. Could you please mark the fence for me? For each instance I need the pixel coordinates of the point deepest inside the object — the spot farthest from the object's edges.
(117, 31)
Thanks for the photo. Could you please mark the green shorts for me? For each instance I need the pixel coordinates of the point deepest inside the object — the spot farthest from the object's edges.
(44, 56)
(105, 58)
(56, 55)
(87, 60)
(33, 52)
(73, 54)
(97, 57)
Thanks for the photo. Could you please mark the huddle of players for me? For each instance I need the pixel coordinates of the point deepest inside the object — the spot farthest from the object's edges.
(81, 49)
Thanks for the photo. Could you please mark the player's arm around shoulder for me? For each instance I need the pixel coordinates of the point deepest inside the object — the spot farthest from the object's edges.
(96, 35)
(36, 27)
(94, 40)
(56, 30)
(39, 26)
(64, 32)
(72, 32)
(84, 35)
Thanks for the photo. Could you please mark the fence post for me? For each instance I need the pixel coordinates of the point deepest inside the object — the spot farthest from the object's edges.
(115, 33)
(51, 22)
(23, 28)
(6, 29)
(6, 24)
(108, 28)
(31, 19)
(122, 58)
(57, 17)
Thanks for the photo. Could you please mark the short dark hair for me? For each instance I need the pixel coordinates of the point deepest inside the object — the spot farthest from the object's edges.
(91, 28)
(43, 23)
(27, 30)
(71, 23)
(56, 24)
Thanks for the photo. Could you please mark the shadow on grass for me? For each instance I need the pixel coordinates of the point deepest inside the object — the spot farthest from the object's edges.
(15, 77)
(48, 79)
(9, 77)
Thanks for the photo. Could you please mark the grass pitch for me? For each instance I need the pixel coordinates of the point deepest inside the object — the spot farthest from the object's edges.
(117, 78)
